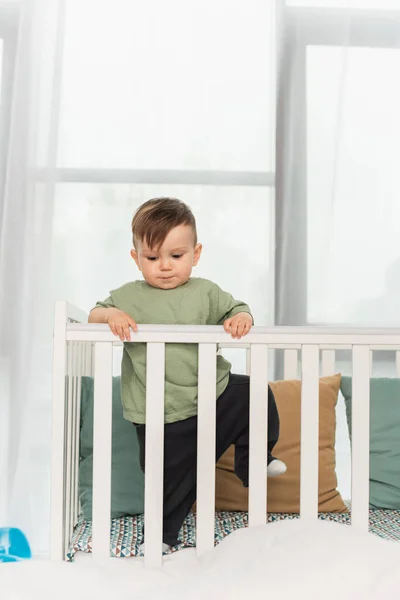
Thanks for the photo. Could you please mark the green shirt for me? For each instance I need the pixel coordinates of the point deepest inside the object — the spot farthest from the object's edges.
(197, 302)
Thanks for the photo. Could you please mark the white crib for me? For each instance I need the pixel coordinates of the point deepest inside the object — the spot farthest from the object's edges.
(82, 349)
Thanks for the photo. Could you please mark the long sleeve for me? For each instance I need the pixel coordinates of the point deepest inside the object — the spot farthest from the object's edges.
(107, 303)
(224, 306)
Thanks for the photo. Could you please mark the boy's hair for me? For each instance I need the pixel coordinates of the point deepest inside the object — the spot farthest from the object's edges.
(155, 218)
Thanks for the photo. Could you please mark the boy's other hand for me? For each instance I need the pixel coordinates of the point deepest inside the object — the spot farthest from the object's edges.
(238, 325)
(119, 323)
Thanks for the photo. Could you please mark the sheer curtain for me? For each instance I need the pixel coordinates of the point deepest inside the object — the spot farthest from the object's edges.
(114, 102)
(25, 303)
(338, 209)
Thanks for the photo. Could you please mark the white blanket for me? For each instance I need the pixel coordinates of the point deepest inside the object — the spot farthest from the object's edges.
(289, 560)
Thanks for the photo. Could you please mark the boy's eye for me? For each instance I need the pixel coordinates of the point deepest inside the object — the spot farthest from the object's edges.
(152, 258)
(176, 255)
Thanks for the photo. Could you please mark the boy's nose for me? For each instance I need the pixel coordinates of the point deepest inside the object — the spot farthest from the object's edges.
(165, 265)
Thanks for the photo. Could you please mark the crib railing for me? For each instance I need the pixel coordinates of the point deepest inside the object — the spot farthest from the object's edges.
(82, 349)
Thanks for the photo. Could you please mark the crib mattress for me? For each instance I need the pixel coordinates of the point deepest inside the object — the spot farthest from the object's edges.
(126, 535)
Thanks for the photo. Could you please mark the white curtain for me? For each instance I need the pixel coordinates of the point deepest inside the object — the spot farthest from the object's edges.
(26, 242)
(113, 102)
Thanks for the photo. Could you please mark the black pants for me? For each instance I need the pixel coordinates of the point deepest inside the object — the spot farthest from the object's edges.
(180, 450)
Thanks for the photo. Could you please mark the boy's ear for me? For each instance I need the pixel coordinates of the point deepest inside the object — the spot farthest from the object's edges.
(197, 254)
(135, 257)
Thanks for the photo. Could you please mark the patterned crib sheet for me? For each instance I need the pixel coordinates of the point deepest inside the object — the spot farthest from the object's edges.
(126, 532)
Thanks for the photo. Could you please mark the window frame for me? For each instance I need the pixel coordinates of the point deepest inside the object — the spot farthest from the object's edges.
(305, 27)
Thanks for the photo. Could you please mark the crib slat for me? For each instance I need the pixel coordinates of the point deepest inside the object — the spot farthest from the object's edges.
(398, 363)
(74, 418)
(79, 370)
(69, 433)
(206, 448)
(328, 362)
(258, 422)
(360, 438)
(248, 361)
(154, 480)
(290, 364)
(309, 432)
(87, 359)
(72, 449)
(102, 433)
(57, 526)
(73, 433)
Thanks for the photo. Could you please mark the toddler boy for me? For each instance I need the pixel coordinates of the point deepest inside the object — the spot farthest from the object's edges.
(165, 251)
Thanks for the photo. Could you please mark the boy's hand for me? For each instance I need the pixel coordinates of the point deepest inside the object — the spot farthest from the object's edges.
(119, 323)
(238, 325)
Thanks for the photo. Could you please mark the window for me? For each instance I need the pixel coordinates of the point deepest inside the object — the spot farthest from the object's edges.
(362, 91)
(343, 66)
(158, 106)
(154, 92)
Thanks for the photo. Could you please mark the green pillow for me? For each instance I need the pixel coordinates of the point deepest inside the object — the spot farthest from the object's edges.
(384, 457)
(127, 479)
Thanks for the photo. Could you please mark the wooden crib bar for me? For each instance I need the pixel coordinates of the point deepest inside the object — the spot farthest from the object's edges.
(102, 432)
(290, 364)
(258, 450)
(205, 505)
(154, 450)
(360, 438)
(309, 433)
(73, 393)
(328, 366)
(58, 450)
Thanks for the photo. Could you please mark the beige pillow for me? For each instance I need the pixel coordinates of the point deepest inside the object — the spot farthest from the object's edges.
(284, 491)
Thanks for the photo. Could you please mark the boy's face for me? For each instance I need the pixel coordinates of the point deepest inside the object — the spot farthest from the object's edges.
(170, 265)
